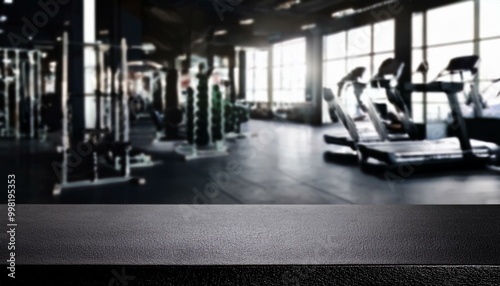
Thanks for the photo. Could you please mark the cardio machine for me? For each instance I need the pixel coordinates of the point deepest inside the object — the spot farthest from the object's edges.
(459, 149)
(483, 104)
(388, 73)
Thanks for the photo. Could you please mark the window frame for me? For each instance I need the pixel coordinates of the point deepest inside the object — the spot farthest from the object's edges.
(350, 101)
(279, 63)
(251, 91)
(476, 41)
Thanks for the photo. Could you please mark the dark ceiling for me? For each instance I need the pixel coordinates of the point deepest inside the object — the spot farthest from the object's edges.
(179, 26)
(21, 12)
(173, 25)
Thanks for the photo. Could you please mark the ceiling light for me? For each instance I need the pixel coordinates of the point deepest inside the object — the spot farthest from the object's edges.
(246, 22)
(8, 1)
(147, 48)
(220, 32)
(308, 27)
(343, 13)
(376, 5)
(1, 31)
(3, 18)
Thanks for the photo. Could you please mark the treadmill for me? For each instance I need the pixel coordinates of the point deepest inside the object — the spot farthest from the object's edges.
(352, 135)
(480, 105)
(459, 149)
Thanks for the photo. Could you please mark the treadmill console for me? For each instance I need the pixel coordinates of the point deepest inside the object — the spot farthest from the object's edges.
(354, 76)
(390, 70)
(464, 64)
(456, 65)
(390, 67)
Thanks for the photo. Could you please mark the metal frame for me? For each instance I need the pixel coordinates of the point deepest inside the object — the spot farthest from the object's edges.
(7, 81)
(122, 133)
(33, 92)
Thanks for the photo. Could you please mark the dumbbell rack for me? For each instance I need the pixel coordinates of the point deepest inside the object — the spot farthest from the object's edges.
(192, 151)
(232, 136)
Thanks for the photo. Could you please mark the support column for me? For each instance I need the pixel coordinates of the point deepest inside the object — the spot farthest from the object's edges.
(76, 66)
(89, 64)
(314, 82)
(243, 73)
(270, 77)
(210, 56)
(131, 26)
(232, 78)
(122, 19)
(403, 49)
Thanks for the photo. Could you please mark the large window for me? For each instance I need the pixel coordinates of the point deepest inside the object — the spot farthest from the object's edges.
(489, 41)
(446, 32)
(289, 71)
(256, 75)
(367, 46)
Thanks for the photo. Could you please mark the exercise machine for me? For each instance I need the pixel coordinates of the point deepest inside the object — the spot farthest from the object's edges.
(485, 104)
(22, 94)
(94, 137)
(200, 142)
(449, 150)
(386, 78)
(137, 158)
(149, 88)
(173, 115)
(235, 114)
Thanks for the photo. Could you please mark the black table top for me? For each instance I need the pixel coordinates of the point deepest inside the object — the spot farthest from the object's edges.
(255, 235)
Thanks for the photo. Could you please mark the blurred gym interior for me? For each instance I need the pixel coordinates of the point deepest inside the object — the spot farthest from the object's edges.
(251, 102)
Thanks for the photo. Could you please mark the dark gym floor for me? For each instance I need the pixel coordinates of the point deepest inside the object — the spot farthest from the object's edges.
(283, 164)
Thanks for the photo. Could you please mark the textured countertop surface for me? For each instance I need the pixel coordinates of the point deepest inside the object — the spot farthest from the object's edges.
(255, 235)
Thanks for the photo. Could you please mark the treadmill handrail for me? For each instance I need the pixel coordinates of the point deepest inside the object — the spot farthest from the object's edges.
(436, 86)
(353, 78)
(485, 90)
(395, 68)
(375, 117)
(346, 120)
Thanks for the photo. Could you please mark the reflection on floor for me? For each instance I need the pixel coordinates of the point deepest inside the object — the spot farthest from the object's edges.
(283, 164)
